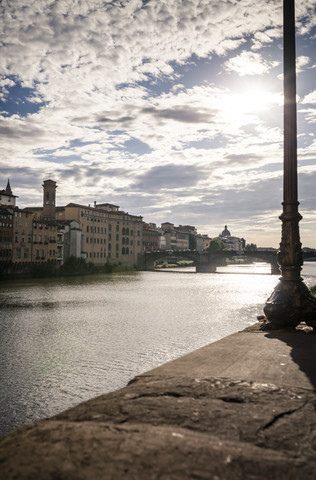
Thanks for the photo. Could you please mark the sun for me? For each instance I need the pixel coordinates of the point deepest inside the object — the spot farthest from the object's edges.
(249, 104)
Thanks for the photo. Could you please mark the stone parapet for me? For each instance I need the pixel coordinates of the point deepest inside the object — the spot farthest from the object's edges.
(240, 408)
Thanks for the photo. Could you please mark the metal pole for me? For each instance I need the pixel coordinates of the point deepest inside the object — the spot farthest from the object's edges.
(291, 301)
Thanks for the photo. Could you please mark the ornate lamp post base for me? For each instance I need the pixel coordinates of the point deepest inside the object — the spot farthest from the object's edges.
(290, 304)
(291, 301)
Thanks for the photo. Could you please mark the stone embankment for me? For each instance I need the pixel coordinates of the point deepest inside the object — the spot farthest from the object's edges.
(241, 408)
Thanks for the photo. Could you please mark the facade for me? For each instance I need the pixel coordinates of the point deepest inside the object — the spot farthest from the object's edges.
(173, 238)
(151, 237)
(108, 234)
(34, 238)
(6, 233)
(199, 243)
(206, 241)
(69, 235)
(100, 233)
(232, 243)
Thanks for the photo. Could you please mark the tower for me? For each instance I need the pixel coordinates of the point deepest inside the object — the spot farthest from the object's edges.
(7, 197)
(49, 198)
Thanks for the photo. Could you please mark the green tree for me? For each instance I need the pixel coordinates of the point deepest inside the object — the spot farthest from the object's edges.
(76, 266)
(216, 245)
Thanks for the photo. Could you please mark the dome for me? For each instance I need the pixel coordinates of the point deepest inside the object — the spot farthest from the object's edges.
(225, 232)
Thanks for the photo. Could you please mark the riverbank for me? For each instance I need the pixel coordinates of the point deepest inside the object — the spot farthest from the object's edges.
(72, 267)
(242, 408)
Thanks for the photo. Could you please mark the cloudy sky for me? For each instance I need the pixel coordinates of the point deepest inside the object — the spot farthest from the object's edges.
(171, 109)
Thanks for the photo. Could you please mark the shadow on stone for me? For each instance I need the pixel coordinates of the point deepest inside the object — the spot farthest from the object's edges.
(303, 348)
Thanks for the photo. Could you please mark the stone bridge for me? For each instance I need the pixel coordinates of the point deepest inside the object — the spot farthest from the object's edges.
(206, 262)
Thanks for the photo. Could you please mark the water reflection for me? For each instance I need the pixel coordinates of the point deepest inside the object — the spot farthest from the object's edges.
(66, 340)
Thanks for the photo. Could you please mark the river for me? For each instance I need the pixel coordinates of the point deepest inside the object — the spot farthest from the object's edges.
(66, 340)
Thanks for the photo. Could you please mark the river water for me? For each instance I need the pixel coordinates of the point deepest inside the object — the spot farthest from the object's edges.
(66, 340)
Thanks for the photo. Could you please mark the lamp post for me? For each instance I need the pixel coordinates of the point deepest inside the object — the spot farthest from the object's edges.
(291, 302)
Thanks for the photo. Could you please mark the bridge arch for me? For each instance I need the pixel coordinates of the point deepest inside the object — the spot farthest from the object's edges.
(206, 262)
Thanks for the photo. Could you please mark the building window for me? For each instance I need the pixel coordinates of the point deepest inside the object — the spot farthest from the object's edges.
(18, 252)
(26, 253)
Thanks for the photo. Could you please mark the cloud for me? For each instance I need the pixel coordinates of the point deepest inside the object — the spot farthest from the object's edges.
(249, 63)
(301, 62)
(136, 103)
(180, 113)
(169, 177)
(310, 98)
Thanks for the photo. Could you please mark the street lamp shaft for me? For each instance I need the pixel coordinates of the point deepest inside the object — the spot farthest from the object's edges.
(290, 121)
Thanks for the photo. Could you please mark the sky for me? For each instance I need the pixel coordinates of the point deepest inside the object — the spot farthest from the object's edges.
(171, 109)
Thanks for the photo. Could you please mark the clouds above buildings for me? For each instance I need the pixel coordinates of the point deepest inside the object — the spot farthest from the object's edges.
(171, 109)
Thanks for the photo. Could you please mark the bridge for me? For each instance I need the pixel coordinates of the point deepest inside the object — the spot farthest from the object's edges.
(206, 262)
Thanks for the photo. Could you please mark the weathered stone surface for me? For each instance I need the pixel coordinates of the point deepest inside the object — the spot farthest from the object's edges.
(234, 410)
(172, 428)
(98, 450)
(178, 422)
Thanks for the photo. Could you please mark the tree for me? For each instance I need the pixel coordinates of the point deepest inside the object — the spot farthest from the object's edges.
(216, 245)
(251, 247)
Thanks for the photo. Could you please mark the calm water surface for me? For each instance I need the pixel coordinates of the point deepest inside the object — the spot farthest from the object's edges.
(66, 340)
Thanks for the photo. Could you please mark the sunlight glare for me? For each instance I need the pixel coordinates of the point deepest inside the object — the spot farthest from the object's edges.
(250, 102)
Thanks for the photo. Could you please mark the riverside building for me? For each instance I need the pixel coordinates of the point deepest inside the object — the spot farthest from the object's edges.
(100, 234)
(232, 243)
(107, 233)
